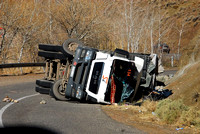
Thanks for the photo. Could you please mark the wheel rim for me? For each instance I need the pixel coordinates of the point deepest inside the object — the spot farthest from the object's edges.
(72, 46)
(61, 90)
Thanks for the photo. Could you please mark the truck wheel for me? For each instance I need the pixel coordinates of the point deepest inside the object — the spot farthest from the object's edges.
(58, 91)
(121, 53)
(70, 45)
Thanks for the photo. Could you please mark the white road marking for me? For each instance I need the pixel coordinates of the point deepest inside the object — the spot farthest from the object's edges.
(11, 103)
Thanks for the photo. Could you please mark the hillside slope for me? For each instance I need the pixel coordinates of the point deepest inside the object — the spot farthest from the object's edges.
(185, 16)
(186, 85)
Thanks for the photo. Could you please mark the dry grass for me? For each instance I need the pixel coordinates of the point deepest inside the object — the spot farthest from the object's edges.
(186, 86)
(150, 105)
(177, 113)
(142, 117)
(17, 71)
(170, 111)
(190, 117)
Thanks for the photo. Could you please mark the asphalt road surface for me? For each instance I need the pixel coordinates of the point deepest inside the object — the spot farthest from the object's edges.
(65, 117)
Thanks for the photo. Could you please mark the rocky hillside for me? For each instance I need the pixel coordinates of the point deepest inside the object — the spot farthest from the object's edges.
(184, 16)
(186, 30)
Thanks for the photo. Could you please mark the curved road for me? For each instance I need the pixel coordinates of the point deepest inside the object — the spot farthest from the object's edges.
(61, 117)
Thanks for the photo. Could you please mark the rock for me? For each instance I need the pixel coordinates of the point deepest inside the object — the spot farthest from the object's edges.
(171, 76)
(195, 19)
(16, 101)
(189, 18)
(166, 78)
(43, 102)
(163, 78)
(196, 24)
(194, 10)
(160, 69)
(114, 104)
(8, 99)
(170, 4)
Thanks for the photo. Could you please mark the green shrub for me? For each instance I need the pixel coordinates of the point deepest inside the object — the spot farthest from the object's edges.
(190, 117)
(175, 112)
(170, 111)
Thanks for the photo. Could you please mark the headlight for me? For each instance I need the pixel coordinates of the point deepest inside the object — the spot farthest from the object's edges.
(88, 55)
(72, 71)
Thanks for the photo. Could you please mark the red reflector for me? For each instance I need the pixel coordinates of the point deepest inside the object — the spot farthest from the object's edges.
(63, 72)
(74, 63)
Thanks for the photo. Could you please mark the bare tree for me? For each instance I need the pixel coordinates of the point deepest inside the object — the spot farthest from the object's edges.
(134, 22)
(9, 18)
(78, 19)
(29, 27)
(180, 30)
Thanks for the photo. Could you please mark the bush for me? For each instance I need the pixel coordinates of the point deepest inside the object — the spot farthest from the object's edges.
(190, 117)
(150, 105)
(170, 111)
(175, 112)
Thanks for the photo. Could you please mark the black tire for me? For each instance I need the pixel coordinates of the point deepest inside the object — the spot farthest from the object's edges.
(69, 43)
(57, 91)
(42, 90)
(47, 47)
(51, 55)
(44, 83)
(121, 53)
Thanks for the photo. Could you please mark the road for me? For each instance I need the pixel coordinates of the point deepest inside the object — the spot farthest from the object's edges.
(59, 116)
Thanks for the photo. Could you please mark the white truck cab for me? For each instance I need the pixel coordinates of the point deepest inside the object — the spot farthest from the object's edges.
(101, 69)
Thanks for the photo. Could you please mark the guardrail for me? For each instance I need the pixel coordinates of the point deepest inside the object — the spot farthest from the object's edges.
(11, 65)
(174, 55)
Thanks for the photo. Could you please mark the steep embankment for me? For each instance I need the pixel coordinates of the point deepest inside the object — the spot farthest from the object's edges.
(186, 85)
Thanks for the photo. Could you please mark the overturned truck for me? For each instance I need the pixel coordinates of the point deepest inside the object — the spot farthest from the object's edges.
(75, 71)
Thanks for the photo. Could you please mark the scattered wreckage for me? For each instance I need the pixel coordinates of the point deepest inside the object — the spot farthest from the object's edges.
(75, 71)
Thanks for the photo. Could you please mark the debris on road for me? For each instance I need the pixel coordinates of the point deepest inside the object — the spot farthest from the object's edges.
(179, 128)
(8, 99)
(43, 102)
(159, 94)
(153, 113)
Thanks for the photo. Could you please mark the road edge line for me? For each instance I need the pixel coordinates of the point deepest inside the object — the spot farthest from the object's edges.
(2, 110)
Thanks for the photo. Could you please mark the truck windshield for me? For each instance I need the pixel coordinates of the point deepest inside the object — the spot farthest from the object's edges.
(96, 77)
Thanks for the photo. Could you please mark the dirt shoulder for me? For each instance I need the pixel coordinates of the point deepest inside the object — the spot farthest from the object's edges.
(9, 80)
(141, 119)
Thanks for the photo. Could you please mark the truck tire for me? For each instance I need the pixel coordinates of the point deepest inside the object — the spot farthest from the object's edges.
(57, 91)
(48, 47)
(121, 53)
(51, 55)
(44, 83)
(42, 90)
(69, 46)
